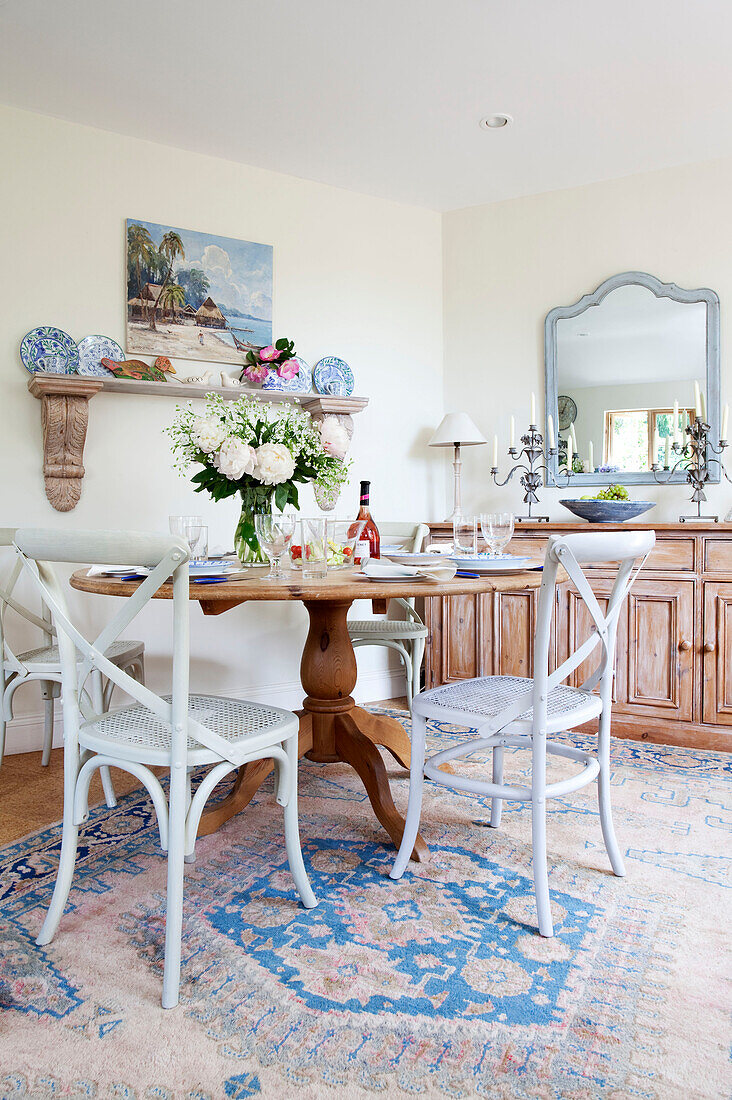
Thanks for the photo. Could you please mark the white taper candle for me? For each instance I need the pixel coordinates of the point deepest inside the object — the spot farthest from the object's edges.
(592, 458)
(697, 399)
(666, 455)
(676, 421)
(550, 431)
(533, 409)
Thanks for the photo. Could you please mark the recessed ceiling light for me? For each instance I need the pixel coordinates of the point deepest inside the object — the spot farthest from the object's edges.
(495, 122)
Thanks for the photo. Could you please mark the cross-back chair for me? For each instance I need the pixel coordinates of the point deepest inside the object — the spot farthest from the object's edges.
(520, 712)
(406, 636)
(178, 731)
(42, 664)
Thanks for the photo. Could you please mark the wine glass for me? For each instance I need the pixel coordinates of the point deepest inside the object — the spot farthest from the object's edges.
(497, 529)
(275, 535)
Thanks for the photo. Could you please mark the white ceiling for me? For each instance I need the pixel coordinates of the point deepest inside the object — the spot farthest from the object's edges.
(384, 96)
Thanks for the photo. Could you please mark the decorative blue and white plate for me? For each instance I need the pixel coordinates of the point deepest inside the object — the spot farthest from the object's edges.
(50, 350)
(92, 349)
(301, 383)
(333, 376)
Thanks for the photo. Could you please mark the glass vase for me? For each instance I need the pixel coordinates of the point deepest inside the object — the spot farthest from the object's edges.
(246, 543)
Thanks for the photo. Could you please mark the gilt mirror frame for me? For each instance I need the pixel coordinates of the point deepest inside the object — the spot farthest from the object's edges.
(661, 290)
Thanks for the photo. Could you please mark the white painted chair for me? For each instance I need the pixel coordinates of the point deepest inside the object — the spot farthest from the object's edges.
(177, 731)
(42, 665)
(517, 711)
(407, 636)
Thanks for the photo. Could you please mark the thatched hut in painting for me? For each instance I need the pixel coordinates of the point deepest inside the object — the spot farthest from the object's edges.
(140, 309)
(188, 314)
(209, 315)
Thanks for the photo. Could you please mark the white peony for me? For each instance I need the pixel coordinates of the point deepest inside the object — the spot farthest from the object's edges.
(208, 433)
(334, 437)
(235, 459)
(275, 464)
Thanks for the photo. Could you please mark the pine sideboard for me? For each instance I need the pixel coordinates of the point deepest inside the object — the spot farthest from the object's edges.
(673, 681)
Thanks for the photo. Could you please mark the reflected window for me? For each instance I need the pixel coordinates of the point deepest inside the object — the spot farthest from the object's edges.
(636, 438)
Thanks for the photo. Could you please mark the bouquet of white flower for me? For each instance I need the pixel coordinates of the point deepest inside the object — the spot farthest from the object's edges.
(260, 451)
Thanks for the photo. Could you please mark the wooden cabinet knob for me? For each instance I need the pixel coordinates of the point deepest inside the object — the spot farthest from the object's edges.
(685, 645)
(709, 647)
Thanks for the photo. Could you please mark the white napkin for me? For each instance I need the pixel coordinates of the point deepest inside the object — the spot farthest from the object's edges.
(438, 572)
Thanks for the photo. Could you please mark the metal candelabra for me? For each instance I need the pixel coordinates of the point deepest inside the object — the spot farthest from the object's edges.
(697, 449)
(533, 469)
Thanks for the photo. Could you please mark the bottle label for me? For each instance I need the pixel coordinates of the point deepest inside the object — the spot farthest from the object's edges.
(362, 553)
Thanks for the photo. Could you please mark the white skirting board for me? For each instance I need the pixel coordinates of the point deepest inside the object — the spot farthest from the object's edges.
(25, 733)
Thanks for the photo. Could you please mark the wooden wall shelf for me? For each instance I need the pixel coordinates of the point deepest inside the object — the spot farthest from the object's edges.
(313, 402)
(65, 416)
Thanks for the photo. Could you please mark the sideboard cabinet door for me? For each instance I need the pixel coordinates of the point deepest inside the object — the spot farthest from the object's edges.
(574, 626)
(661, 649)
(717, 653)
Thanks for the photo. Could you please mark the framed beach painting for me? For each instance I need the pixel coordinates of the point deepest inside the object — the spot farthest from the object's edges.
(195, 295)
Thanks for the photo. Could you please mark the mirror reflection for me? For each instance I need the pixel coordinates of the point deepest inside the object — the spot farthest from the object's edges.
(630, 372)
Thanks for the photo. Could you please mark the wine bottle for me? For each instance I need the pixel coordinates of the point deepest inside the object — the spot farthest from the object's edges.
(370, 532)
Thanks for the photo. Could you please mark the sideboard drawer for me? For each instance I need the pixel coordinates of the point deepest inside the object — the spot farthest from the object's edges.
(530, 546)
(669, 555)
(717, 556)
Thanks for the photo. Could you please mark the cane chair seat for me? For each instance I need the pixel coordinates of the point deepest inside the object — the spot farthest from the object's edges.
(488, 696)
(386, 628)
(47, 659)
(134, 732)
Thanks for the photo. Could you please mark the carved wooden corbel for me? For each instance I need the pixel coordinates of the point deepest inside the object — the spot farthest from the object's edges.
(64, 417)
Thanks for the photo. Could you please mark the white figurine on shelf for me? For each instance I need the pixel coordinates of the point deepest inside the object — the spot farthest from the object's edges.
(228, 382)
(199, 380)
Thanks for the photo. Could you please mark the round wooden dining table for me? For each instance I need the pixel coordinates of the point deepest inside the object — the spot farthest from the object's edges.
(332, 728)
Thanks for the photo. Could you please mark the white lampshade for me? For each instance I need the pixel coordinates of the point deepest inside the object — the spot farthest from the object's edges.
(457, 428)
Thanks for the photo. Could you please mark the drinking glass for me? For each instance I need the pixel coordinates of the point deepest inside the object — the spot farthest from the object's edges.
(192, 530)
(314, 548)
(275, 535)
(465, 536)
(497, 529)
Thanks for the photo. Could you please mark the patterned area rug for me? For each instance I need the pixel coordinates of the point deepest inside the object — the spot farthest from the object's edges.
(436, 986)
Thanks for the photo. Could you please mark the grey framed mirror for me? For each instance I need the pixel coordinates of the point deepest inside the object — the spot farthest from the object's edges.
(616, 361)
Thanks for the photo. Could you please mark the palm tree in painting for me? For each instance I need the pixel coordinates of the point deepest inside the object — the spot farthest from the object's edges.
(171, 296)
(140, 251)
(170, 248)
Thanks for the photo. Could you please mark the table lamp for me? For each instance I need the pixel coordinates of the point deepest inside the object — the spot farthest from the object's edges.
(457, 430)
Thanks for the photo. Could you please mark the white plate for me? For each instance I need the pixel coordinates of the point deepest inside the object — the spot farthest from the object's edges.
(485, 565)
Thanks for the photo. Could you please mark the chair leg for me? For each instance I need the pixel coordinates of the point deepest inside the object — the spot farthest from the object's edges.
(538, 833)
(174, 896)
(190, 856)
(69, 841)
(97, 695)
(417, 656)
(3, 725)
(497, 803)
(48, 715)
(603, 793)
(409, 672)
(292, 829)
(416, 787)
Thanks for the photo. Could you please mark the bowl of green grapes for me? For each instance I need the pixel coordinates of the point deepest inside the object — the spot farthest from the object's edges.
(611, 505)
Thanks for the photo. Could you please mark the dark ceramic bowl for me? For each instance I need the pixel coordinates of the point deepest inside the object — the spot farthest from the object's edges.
(607, 511)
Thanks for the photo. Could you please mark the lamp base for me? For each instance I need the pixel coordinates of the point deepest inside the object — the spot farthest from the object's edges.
(531, 519)
(698, 519)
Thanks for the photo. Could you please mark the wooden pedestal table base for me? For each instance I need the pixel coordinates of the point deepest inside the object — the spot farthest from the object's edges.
(332, 728)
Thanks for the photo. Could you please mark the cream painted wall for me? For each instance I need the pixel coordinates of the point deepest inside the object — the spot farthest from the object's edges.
(354, 276)
(507, 264)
